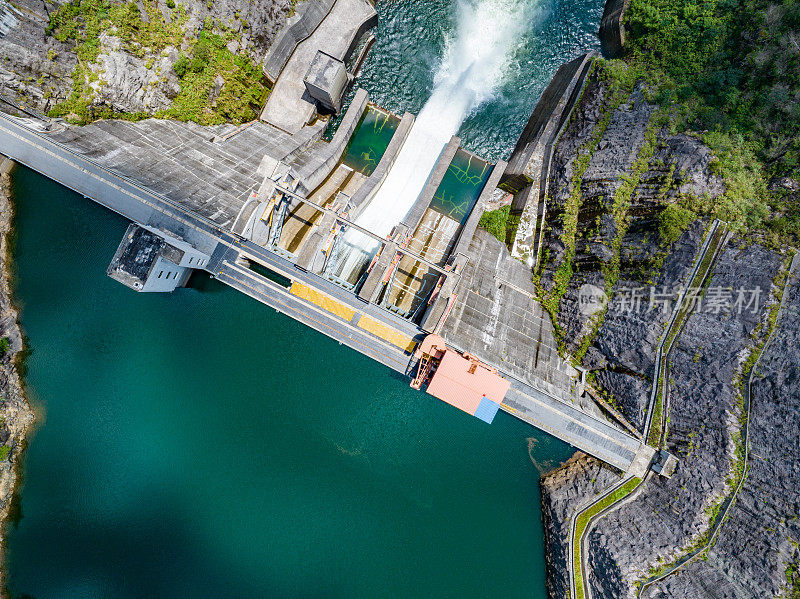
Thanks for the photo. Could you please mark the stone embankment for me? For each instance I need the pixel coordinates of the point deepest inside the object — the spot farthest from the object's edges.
(16, 416)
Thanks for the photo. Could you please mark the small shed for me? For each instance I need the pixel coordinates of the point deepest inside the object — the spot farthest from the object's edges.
(326, 81)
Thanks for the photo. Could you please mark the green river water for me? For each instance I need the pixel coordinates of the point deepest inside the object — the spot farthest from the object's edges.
(198, 444)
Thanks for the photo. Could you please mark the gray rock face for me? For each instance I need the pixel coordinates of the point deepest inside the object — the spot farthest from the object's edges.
(703, 412)
(678, 166)
(670, 514)
(27, 73)
(629, 335)
(133, 84)
(583, 122)
(16, 416)
(759, 539)
(563, 491)
(36, 69)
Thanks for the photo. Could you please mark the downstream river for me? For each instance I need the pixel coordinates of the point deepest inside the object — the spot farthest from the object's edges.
(199, 444)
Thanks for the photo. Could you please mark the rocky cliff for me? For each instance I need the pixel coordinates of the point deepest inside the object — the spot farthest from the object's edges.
(624, 216)
(121, 55)
(757, 550)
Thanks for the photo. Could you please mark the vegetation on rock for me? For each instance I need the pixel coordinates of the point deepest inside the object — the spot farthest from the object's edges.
(731, 69)
(496, 222)
(242, 91)
(147, 33)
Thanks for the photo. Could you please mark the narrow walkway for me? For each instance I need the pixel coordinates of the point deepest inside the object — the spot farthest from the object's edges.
(704, 263)
(654, 420)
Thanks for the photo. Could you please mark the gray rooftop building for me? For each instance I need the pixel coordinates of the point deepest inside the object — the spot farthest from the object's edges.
(144, 261)
(326, 80)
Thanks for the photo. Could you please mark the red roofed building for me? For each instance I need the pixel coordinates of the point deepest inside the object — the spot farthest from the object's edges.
(460, 380)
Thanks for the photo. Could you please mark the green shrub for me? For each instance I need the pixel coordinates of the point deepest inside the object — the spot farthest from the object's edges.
(726, 66)
(4, 451)
(181, 66)
(201, 54)
(672, 222)
(241, 94)
(5, 345)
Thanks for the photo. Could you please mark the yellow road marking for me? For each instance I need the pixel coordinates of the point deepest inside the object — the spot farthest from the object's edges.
(259, 297)
(322, 300)
(387, 333)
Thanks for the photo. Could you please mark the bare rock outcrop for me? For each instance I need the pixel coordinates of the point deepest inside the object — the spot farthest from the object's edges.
(133, 84)
(670, 514)
(602, 143)
(761, 537)
(563, 491)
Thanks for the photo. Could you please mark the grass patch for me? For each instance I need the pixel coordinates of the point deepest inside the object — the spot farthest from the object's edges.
(793, 581)
(496, 222)
(583, 521)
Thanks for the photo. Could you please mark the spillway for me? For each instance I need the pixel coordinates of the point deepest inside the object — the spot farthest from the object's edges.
(476, 57)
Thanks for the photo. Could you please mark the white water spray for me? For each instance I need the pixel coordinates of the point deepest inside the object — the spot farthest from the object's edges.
(475, 60)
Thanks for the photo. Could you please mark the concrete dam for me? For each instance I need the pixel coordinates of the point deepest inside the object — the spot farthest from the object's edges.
(371, 238)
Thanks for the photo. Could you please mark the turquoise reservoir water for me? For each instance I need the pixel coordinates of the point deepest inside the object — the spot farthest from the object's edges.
(198, 444)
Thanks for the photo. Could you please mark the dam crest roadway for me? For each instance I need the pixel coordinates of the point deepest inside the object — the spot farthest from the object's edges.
(268, 212)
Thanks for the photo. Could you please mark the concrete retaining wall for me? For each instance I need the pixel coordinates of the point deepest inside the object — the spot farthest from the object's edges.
(529, 167)
(468, 230)
(361, 197)
(372, 21)
(417, 211)
(308, 17)
(543, 122)
(313, 174)
(612, 29)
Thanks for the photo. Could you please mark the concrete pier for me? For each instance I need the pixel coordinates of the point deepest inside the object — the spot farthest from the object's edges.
(612, 28)
(313, 173)
(414, 216)
(307, 17)
(364, 194)
(289, 106)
